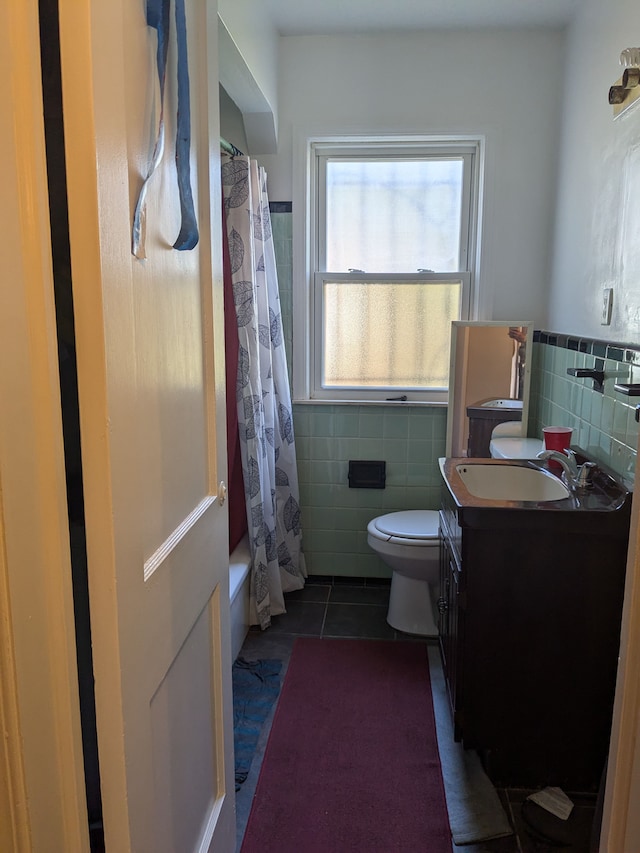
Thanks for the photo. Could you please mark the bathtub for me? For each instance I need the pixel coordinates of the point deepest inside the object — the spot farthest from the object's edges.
(239, 562)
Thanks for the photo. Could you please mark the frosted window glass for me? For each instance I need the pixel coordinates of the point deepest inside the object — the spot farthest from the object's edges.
(391, 335)
(393, 216)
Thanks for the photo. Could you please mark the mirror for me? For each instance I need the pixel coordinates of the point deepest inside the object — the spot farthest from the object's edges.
(489, 374)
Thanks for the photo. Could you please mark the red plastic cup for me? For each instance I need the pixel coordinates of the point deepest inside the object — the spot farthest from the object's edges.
(556, 438)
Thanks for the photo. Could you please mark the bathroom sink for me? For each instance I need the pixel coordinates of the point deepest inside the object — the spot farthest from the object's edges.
(497, 491)
(502, 403)
(511, 482)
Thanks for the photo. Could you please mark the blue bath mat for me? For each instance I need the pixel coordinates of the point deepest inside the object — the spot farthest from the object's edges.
(256, 685)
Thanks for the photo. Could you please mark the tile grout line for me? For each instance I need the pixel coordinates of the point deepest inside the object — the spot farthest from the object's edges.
(324, 615)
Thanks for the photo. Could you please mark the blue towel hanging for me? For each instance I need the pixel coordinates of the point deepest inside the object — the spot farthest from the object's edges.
(158, 17)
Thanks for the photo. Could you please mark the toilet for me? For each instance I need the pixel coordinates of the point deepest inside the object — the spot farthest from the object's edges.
(409, 543)
(507, 442)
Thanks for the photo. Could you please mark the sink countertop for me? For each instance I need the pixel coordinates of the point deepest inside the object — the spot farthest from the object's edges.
(605, 507)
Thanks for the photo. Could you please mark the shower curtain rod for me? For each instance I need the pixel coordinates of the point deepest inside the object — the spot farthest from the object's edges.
(230, 149)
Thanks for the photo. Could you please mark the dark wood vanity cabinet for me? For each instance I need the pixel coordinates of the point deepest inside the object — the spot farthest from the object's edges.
(530, 612)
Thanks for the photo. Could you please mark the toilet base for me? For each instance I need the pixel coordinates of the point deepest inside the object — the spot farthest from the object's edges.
(410, 607)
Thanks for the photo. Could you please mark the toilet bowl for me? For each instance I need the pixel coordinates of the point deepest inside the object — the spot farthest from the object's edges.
(408, 542)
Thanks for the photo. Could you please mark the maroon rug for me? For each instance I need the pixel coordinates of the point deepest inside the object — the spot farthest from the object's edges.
(352, 761)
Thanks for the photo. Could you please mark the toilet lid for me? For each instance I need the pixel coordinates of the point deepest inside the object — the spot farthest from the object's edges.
(410, 524)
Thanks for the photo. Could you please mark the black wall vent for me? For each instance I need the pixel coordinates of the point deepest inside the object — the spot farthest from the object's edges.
(367, 474)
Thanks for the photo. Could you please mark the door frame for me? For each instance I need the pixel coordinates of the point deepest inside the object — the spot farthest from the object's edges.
(42, 789)
(621, 819)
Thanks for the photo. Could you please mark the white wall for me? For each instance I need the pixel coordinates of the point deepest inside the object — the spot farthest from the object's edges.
(248, 51)
(597, 236)
(256, 38)
(505, 85)
(231, 123)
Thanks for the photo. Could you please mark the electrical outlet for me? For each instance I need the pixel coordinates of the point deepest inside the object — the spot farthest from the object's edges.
(607, 302)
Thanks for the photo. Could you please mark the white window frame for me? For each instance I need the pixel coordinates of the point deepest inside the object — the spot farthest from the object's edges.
(308, 252)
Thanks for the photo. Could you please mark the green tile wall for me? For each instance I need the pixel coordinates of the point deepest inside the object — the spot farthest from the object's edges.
(281, 230)
(334, 516)
(604, 424)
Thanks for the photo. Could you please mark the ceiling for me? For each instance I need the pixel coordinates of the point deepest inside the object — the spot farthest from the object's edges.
(330, 17)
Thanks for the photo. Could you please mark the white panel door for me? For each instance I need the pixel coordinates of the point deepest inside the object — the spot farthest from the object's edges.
(151, 387)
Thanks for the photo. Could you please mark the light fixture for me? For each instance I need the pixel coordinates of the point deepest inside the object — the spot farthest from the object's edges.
(626, 90)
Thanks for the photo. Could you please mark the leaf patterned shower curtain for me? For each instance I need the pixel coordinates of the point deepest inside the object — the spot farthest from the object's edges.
(265, 419)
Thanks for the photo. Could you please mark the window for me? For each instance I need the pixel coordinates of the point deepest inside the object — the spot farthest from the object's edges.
(391, 234)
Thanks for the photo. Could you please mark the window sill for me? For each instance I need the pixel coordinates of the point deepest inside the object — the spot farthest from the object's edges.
(342, 402)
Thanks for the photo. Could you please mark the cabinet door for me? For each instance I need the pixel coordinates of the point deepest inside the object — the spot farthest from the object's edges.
(448, 627)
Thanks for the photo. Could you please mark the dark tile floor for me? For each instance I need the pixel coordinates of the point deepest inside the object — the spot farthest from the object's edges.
(343, 607)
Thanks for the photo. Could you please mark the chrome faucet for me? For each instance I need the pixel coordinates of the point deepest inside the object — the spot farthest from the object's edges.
(576, 476)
